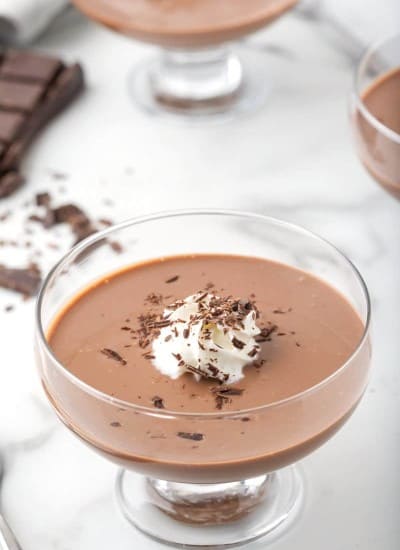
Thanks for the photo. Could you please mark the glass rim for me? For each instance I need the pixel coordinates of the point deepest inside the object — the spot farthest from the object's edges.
(388, 132)
(100, 235)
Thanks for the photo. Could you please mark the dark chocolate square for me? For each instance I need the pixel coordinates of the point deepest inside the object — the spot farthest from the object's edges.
(19, 96)
(29, 66)
(10, 123)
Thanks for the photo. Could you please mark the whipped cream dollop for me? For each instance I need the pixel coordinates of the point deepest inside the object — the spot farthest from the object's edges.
(209, 336)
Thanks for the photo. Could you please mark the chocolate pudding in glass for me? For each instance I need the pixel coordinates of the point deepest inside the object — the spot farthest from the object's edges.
(375, 113)
(205, 364)
(199, 71)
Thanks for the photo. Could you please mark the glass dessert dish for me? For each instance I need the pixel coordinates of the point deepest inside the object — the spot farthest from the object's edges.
(229, 477)
(197, 72)
(375, 112)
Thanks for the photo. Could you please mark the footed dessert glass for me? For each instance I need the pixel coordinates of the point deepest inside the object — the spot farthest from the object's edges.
(378, 145)
(199, 71)
(233, 480)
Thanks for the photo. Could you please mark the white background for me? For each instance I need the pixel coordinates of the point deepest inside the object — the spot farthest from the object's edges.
(294, 159)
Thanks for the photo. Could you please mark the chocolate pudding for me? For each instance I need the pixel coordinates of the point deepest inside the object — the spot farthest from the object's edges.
(185, 23)
(207, 426)
(380, 151)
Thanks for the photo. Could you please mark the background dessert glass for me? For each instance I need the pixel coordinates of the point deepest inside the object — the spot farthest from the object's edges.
(197, 72)
(244, 478)
(378, 145)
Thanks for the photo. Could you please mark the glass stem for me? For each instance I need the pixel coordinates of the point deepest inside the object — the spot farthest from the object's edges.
(203, 77)
(208, 503)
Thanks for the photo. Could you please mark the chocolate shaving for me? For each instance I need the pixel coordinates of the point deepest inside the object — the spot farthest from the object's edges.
(213, 369)
(160, 324)
(252, 353)
(219, 401)
(201, 297)
(223, 394)
(158, 402)
(265, 334)
(172, 279)
(237, 343)
(225, 391)
(111, 354)
(115, 424)
(193, 436)
(154, 298)
(196, 370)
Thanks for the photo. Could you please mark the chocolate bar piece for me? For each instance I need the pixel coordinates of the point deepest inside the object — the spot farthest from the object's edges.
(33, 89)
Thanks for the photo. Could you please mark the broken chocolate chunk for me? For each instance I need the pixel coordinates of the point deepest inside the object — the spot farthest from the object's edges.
(116, 246)
(26, 281)
(105, 221)
(10, 182)
(43, 199)
(5, 215)
(67, 213)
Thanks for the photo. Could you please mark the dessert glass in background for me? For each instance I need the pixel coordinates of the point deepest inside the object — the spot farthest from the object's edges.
(198, 72)
(240, 484)
(375, 112)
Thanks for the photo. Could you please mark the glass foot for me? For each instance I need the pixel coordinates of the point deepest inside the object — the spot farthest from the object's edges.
(201, 85)
(220, 515)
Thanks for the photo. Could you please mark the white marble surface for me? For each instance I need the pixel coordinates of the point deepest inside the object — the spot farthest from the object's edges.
(294, 160)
